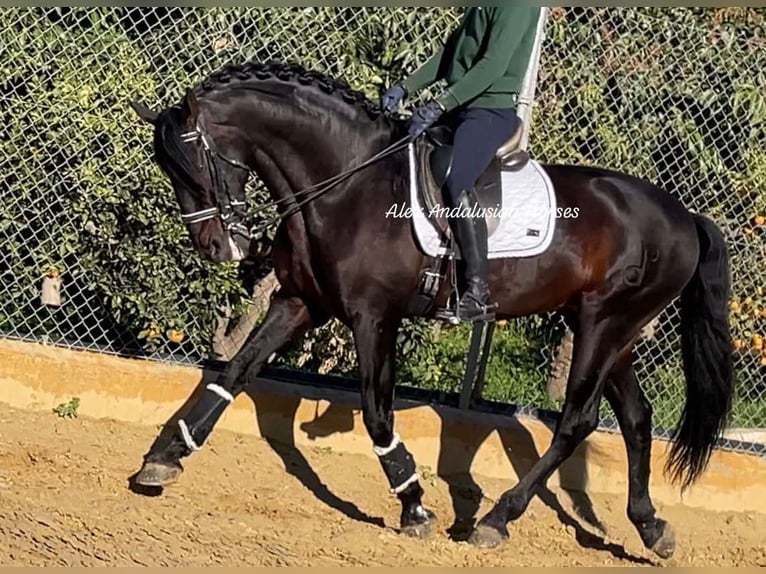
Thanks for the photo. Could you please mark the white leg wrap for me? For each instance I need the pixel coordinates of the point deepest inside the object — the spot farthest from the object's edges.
(405, 484)
(384, 450)
(186, 435)
(221, 392)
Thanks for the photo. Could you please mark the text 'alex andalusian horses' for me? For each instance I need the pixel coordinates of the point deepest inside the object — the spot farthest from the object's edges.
(632, 251)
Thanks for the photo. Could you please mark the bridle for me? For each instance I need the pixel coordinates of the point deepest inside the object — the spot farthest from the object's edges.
(232, 212)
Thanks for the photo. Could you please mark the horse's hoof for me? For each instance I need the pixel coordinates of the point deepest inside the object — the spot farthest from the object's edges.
(485, 536)
(420, 530)
(665, 547)
(155, 474)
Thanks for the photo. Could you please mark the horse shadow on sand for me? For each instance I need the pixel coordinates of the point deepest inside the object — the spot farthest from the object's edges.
(460, 441)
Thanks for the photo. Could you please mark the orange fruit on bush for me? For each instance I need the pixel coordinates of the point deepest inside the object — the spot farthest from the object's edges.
(734, 306)
(759, 220)
(175, 336)
(738, 344)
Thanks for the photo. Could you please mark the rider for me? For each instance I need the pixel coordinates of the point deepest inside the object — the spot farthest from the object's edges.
(484, 62)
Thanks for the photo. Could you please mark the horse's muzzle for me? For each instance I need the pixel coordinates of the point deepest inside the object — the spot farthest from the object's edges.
(238, 245)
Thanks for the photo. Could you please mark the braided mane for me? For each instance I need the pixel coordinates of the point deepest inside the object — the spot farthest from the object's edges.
(290, 72)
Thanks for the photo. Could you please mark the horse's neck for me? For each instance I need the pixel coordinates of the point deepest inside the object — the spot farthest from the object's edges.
(317, 152)
(310, 152)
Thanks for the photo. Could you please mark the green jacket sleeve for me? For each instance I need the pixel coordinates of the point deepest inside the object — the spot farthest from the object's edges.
(506, 29)
(430, 72)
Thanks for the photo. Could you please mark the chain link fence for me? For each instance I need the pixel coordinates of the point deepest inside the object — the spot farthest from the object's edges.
(93, 254)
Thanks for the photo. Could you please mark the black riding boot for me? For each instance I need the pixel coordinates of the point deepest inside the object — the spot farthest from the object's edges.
(471, 236)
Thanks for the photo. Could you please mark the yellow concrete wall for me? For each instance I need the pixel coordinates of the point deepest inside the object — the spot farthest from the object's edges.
(34, 376)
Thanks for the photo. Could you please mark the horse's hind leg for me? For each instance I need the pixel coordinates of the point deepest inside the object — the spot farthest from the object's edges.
(599, 337)
(375, 340)
(634, 414)
(287, 319)
(592, 360)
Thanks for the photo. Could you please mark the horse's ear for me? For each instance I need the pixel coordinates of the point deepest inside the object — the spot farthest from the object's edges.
(144, 113)
(192, 105)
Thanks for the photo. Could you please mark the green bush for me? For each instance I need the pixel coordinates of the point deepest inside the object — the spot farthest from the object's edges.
(101, 212)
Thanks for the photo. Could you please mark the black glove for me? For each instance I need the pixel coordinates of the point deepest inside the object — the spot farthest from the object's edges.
(392, 97)
(424, 118)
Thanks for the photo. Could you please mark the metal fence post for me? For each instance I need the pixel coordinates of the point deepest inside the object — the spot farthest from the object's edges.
(481, 338)
(527, 96)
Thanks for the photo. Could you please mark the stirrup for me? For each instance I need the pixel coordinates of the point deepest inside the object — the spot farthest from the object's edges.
(479, 312)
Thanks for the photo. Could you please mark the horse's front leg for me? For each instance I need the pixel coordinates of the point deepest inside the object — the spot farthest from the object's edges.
(287, 320)
(375, 340)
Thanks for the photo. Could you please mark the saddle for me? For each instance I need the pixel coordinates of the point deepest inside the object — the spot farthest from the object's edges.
(434, 155)
(433, 161)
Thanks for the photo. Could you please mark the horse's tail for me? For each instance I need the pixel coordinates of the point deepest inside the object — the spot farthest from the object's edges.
(707, 358)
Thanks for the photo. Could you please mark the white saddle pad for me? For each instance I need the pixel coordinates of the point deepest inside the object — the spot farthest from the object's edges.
(528, 214)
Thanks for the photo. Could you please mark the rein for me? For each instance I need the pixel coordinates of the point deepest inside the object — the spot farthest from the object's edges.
(229, 212)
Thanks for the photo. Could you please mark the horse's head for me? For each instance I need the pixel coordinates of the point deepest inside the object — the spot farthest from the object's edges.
(207, 168)
(294, 128)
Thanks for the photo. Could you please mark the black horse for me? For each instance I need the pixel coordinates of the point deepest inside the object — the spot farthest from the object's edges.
(632, 251)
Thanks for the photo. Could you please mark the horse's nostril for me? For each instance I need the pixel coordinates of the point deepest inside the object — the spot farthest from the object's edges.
(215, 247)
